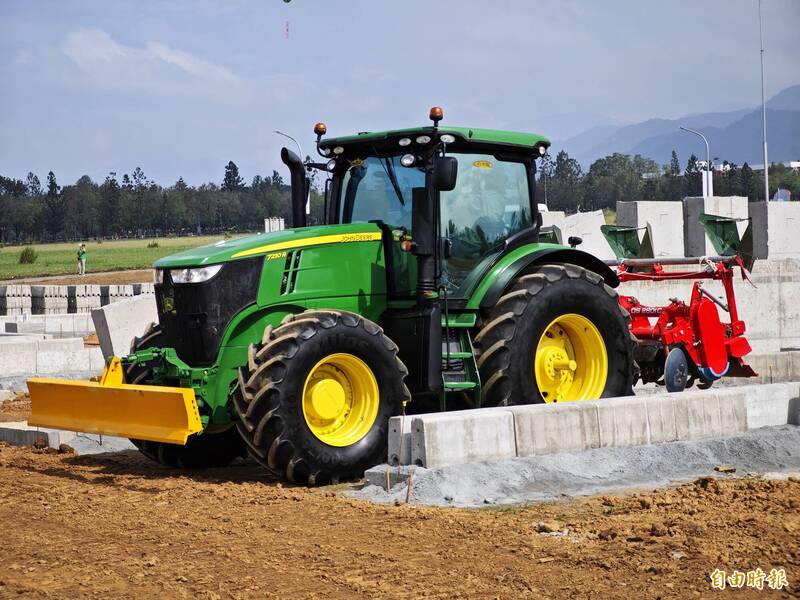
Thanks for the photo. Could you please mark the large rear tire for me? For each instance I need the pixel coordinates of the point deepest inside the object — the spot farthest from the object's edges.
(558, 334)
(206, 450)
(315, 397)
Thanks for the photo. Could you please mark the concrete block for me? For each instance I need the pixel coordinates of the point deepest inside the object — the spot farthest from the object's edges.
(587, 227)
(774, 367)
(770, 405)
(498, 433)
(60, 345)
(661, 422)
(118, 323)
(51, 361)
(61, 325)
(623, 422)
(462, 437)
(121, 290)
(18, 291)
(665, 218)
(551, 428)
(386, 476)
(18, 433)
(96, 360)
(775, 226)
(732, 405)
(23, 302)
(759, 221)
(788, 308)
(18, 358)
(710, 413)
(25, 327)
(87, 302)
(695, 241)
(400, 440)
(554, 217)
(10, 338)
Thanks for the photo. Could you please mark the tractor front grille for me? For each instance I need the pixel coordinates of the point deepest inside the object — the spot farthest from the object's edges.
(194, 316)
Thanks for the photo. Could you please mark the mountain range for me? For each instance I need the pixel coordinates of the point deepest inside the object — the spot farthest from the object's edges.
(734, 136)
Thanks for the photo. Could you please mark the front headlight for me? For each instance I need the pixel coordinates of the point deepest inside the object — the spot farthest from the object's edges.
(194, 275)
(158, 275)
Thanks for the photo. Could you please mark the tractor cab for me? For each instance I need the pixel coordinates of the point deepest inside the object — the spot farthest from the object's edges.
(459, 192)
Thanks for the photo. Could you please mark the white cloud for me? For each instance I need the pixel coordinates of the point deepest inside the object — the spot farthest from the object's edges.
(155, 67)
(191, 64)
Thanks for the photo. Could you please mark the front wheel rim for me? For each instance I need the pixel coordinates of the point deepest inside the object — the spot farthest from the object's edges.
(570, 360)
(340, 400)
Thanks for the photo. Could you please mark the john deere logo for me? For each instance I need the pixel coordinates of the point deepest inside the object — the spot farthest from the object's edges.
(483, 164)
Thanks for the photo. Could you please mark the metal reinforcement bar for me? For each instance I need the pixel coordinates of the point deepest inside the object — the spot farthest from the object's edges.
(668, 260)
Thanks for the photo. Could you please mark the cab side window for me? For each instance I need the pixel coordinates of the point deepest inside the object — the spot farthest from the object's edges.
(490, 203)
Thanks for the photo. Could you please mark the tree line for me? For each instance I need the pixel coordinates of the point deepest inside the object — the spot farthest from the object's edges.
(134, 206)
(622, 177)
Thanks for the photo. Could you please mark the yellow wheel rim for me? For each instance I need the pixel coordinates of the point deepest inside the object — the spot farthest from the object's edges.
(571, 362)
(340, 399)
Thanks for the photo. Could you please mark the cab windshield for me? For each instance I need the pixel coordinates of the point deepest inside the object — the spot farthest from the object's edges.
(490, 202)
(379, 189)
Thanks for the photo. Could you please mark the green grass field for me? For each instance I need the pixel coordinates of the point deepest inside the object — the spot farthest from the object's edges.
(60, 259)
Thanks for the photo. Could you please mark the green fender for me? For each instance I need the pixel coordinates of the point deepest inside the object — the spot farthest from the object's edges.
(508, 266)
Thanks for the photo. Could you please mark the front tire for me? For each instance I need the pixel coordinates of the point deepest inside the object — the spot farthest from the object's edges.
(206, 450)
(315, 398)
(558, 334)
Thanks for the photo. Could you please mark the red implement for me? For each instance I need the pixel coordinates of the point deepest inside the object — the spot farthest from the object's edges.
(711, 348)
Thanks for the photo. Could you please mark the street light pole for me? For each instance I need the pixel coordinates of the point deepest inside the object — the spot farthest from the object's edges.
(763, 107)
(709, 177)
(294, 140)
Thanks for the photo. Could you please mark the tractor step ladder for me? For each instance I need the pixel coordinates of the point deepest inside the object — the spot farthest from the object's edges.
(459, 368)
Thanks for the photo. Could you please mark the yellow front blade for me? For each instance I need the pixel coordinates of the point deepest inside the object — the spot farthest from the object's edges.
(146, 412)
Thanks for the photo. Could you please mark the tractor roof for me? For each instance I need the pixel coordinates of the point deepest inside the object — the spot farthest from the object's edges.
(513, 141)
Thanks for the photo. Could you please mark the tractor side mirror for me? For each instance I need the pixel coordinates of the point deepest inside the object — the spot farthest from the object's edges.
(445, 172)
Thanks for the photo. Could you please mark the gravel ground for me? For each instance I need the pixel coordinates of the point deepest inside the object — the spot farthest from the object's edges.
(519, 480)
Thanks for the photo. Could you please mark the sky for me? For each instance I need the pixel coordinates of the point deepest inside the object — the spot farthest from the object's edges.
(179, 88)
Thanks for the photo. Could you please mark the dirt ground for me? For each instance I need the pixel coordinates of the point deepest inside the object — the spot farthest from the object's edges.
(116, 525)
(107, 278)
(17, 408)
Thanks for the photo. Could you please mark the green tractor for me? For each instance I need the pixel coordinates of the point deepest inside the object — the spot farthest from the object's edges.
(425, 289)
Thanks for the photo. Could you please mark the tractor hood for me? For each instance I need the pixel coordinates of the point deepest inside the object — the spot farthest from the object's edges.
(268, 243)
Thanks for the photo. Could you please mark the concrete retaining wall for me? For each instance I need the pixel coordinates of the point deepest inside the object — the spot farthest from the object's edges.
(775, 367)
(665, 218)
(49, 299)
(48, 357)
(438, 440)
(696, 242)
(58, 325)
